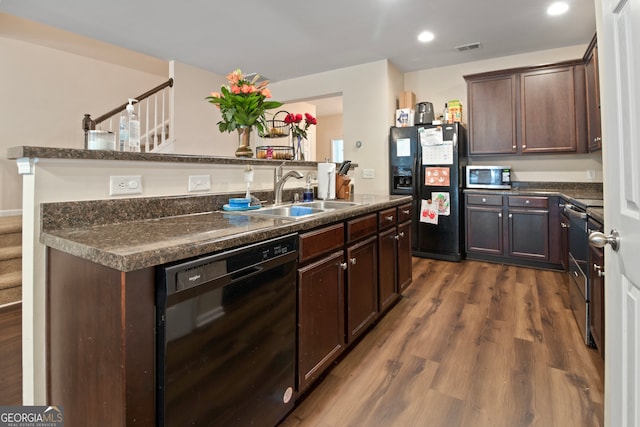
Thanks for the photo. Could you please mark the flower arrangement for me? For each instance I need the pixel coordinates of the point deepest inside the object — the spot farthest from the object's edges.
(299, 129)
(243, 102)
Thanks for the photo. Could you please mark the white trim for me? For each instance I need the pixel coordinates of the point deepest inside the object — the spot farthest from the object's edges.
(13, 212)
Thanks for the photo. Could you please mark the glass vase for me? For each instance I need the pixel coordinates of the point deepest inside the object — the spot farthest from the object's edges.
(299, 149)
(244, 141)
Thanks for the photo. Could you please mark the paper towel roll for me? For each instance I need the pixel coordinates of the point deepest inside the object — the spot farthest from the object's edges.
(326, 181)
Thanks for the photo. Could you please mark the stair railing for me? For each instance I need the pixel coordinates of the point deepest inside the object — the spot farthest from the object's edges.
(155, 112)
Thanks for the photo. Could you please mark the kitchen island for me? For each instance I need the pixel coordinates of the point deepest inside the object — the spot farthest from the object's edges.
(89, 272)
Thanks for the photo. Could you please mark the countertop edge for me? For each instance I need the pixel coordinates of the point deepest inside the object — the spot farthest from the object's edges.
(134, 259)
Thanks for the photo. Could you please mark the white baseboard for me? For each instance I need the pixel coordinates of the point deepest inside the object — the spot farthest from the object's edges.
(13, 212)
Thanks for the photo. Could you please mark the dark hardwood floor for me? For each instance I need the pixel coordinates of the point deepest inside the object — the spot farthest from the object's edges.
(469, 344)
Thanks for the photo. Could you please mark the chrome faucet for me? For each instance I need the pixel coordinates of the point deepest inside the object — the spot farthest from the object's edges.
(279, 180)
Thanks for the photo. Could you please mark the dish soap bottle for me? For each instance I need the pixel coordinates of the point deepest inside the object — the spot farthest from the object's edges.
(134, 128)
(307, 193)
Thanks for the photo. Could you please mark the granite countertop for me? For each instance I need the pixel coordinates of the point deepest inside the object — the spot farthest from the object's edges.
(128, 245)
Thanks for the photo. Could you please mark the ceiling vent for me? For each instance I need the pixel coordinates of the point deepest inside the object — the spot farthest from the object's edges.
(470, 46)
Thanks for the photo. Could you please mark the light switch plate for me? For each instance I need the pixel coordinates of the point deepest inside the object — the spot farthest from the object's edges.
(368, 173)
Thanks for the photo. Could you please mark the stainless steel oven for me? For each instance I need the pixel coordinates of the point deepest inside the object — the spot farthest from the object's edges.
(578, 267)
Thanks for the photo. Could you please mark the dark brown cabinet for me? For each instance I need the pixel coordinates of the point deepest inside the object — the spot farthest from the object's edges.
(362, 275)
(593, 96)
(492, 114)
(565, 223)
(596, 283)
(528, 221)
(528, 110)
(548, 109)
(527, 236)
(484, 225)
(321, 304)
(394, 254)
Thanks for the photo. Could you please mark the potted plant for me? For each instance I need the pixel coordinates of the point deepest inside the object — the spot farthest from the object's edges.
(243, 104)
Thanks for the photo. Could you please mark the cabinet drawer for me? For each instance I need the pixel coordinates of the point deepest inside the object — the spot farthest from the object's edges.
(529, 201)
(404, 213)
(484, 199)
(362, 227)
(387, 218)
(321, 241)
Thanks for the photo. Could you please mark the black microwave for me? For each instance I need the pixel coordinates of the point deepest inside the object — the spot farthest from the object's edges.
(492, 177)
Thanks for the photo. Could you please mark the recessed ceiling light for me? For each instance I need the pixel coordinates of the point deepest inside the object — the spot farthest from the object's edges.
(557, 8)
(425, 36)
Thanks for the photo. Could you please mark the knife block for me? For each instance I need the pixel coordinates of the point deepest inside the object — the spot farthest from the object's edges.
(343, 187)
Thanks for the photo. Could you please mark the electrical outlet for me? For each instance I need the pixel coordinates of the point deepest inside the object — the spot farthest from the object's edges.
(199, 183)
(119, 185)
(591, 174)
(368, 173)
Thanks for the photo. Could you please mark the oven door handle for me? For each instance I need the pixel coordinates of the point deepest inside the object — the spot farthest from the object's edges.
(568, 209)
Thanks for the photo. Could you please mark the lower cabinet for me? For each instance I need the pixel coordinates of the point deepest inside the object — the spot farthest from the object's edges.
(362, 274)
(320, 316)
(321, 303)
(524, 238)
(348, 273)
(484, 225)
(394, 254)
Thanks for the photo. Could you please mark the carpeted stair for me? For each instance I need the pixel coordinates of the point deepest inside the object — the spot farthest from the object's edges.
(10, 259)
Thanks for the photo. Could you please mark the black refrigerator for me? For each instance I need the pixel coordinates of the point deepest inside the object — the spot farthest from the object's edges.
(427, 162)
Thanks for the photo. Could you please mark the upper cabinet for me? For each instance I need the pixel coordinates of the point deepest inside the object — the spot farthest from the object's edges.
(528, 110)
(492, 114)
(593, 96)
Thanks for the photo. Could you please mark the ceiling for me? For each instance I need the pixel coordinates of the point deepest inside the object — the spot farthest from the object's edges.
(283, 39)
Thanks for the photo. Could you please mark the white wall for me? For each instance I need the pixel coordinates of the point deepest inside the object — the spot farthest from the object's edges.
(367, 114)
(46, 91)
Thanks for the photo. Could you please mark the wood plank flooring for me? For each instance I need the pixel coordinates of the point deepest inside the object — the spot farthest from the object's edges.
(469, 344)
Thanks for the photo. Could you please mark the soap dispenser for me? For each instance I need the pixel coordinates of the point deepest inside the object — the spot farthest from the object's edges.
(134, 127)
(307, 193)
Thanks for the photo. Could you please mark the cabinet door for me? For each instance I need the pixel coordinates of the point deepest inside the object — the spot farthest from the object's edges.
(529, 233)
(484, 230)
(387, 276)
(492, 115)
(565, 223)
(405, 266)
(362, 286)
(593, 100)
(548, 111)
(596, 312)
(320, 317)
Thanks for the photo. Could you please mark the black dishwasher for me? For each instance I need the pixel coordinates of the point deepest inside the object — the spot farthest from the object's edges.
(225, 337)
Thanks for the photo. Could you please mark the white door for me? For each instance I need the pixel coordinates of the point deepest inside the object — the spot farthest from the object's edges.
(618, 23)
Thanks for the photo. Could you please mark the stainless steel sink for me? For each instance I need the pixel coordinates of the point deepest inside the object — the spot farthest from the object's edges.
(328, 204)
(298, 210)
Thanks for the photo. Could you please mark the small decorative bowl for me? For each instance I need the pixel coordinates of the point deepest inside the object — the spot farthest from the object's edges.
(239, 202)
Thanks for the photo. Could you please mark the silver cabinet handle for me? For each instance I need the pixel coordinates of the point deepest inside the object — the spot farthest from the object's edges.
(402, 234)
(599, 240)
(526, 202)
(389, 218)
(352, 261)
(500, 215)
(563, 225)
(407, 212)
(484, 200)
(598, 270)
(343, 265)
(397, 237)
(510, 215)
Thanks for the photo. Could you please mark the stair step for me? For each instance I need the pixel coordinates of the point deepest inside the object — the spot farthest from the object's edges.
(10, 224)
(10, 252)
(11, 280)
(10, 295)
